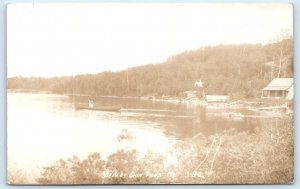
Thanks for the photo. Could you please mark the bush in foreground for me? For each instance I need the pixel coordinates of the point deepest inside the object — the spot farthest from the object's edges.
(265, 156)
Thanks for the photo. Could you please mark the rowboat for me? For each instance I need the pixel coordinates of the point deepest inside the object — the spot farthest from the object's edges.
(114, 108)
(153, 111)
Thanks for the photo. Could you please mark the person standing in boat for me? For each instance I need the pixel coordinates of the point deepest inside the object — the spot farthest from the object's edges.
(91, 104)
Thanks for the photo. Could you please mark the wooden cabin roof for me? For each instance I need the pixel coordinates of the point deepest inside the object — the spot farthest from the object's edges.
(280, 84)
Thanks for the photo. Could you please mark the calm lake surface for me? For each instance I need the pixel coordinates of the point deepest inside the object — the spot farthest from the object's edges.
(43, 128)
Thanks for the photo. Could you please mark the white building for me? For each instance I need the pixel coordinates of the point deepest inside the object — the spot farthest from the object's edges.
(216, 98)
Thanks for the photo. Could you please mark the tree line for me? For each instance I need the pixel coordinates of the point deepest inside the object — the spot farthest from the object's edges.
(240, 71)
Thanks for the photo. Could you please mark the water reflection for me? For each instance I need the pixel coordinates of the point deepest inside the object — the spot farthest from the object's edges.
(43, 128)
(188, 120)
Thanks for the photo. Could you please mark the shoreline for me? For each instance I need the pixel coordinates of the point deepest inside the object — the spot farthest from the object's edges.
(264, 106)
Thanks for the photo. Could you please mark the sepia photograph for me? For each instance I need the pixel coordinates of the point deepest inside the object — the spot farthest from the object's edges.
(150, 93)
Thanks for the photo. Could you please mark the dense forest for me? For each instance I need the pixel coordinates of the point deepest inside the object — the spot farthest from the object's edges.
(240, 71)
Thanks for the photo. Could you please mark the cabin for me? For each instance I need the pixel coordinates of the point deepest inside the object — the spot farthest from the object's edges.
(216, 98)
(279, 88)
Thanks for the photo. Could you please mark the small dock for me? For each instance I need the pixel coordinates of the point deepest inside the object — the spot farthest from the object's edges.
(270, 108)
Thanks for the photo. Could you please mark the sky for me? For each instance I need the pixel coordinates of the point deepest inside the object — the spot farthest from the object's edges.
(47, 40)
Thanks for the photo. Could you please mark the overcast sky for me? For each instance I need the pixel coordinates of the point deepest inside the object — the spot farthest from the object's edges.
(68, 39)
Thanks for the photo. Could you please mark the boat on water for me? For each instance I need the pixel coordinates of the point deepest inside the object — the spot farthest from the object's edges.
(113, 108)
(153, 111)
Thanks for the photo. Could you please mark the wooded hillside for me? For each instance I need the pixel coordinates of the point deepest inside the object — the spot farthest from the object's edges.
(240, 71)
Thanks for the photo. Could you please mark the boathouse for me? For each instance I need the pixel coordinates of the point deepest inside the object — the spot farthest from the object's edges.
(279, 88)
(216, 98)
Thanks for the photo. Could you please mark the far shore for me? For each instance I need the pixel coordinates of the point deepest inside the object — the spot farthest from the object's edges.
(258, 105)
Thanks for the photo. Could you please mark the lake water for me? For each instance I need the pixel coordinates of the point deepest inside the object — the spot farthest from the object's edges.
(43, 128)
